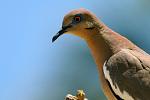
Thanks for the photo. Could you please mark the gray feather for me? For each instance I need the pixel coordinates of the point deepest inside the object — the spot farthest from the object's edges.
(130, 71)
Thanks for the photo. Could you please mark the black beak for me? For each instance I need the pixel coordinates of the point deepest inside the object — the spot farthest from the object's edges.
(63, 30)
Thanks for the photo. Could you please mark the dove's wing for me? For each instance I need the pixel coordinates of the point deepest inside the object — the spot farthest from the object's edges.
(128, 75)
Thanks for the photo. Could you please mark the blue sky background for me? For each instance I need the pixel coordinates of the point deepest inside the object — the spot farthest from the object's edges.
(32, 68)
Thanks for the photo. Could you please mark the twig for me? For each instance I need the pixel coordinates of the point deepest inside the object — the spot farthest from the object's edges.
(79, 96)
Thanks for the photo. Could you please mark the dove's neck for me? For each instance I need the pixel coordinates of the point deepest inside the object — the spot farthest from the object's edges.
(99, 49)
(105, 42)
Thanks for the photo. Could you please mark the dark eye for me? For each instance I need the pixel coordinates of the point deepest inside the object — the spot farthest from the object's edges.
(77, 18)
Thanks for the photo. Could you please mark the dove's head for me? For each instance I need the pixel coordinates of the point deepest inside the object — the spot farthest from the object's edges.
(79, 22)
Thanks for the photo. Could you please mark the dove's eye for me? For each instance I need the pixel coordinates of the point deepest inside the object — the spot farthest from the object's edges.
(77, 18)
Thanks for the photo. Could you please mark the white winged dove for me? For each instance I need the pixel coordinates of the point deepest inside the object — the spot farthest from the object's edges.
(123, 67)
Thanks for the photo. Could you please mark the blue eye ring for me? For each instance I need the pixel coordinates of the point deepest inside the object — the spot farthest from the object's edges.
(77, 18)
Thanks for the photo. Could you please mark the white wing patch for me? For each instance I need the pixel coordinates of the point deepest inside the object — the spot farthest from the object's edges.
(116, 89)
